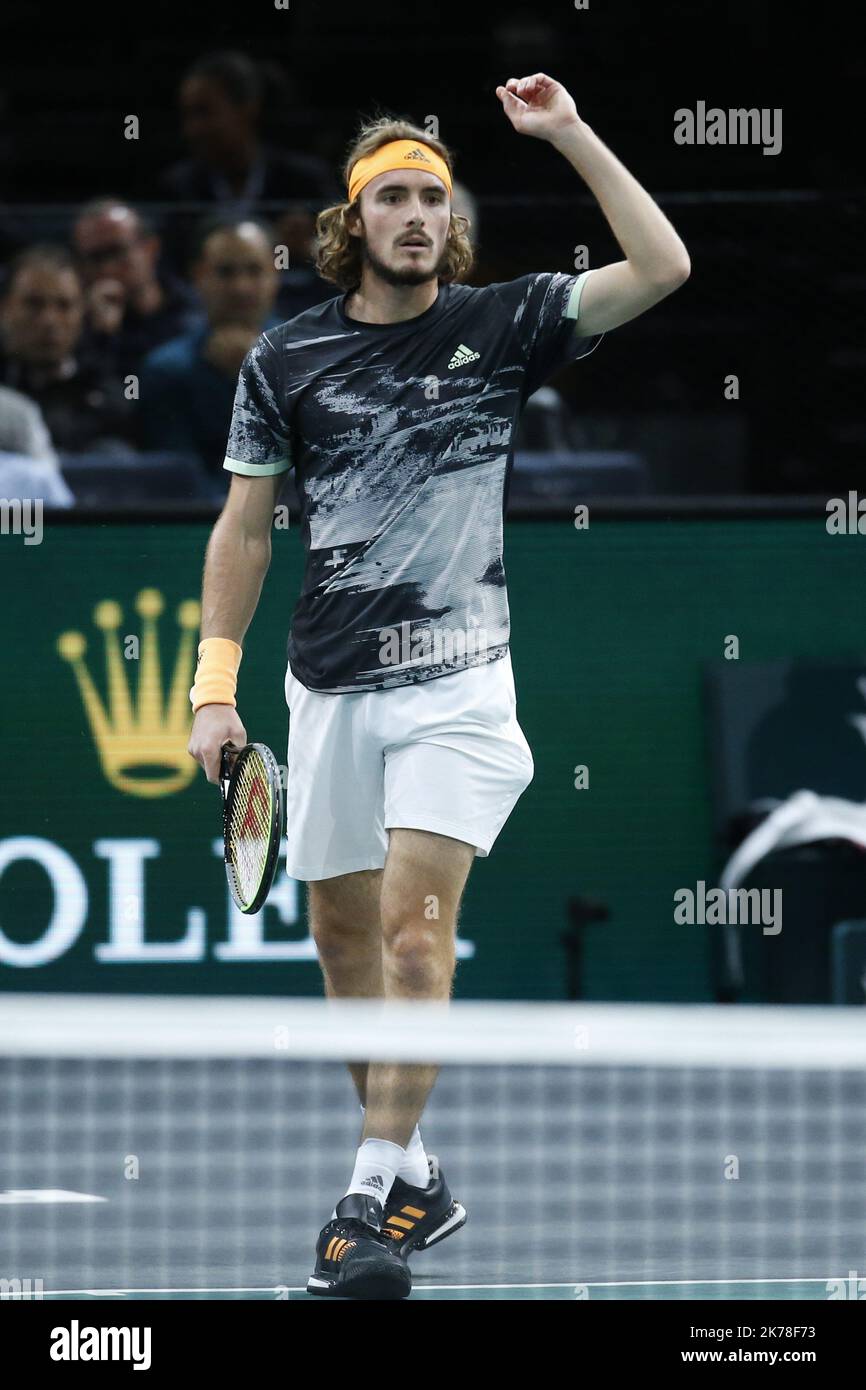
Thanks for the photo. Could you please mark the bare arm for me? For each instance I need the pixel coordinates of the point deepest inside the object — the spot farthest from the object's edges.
(238, 556)
(656, 261)
(237, 560)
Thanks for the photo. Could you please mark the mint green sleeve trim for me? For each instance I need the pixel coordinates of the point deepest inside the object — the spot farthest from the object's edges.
(574, 297)
(257, 470)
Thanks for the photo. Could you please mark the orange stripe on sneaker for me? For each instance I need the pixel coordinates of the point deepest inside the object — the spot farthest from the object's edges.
(398, 1221)
(413, 1211)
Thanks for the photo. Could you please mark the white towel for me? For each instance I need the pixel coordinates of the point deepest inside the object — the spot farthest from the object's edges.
(804, 818)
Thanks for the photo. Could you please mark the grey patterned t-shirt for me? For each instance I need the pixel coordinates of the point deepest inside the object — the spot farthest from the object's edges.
(400, 435)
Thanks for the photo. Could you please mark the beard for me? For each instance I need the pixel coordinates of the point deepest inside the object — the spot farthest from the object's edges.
(409, 276)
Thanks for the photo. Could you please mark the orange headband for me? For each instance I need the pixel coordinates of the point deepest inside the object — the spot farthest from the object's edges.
(397, 154)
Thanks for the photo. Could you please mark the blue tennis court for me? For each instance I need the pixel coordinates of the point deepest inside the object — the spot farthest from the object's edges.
(614, 1171)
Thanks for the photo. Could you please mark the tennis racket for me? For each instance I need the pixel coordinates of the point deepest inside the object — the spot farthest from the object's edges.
(252, 821)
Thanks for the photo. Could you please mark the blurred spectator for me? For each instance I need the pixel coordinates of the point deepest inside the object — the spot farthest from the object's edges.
(41, 321)
(28, 463)
(464, 204)
(188, 385)
(22, 428)
(131, 307)
(299, 289)
(221, 103)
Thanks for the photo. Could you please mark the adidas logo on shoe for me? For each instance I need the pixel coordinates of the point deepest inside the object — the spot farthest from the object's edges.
(375, 1182)
(462, 356)
(418, 154)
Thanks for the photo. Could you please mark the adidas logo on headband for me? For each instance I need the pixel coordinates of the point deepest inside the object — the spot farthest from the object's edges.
(417, 154)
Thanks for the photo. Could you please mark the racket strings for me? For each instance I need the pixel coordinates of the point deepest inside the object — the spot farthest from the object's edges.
(249, 829)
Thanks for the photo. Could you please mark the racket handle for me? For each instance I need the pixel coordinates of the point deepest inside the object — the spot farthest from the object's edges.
(229, 752)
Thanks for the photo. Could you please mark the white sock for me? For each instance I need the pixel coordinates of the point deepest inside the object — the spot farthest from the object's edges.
(414, 1169)
(376, 1166)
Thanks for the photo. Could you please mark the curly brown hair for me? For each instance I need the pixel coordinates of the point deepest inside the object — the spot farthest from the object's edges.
(338, 254)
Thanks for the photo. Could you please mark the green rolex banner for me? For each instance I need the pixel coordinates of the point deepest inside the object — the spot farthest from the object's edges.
(110, 847)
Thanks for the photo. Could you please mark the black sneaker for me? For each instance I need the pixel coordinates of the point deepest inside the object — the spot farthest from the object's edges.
(418, 1217)
(353, 1260)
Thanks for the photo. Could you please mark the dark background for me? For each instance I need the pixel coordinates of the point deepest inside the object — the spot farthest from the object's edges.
(777, 293)
(628, 65)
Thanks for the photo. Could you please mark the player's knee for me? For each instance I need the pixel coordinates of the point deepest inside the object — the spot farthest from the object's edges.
(338, 938)
(416, 952)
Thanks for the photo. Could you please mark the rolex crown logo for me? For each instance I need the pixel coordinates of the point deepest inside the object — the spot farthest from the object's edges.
(141, 739)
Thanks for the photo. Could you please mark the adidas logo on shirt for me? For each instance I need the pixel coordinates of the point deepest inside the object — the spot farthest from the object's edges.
(462, 356)
(375, 1181)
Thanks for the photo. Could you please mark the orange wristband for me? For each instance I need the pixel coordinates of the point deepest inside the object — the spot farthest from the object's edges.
(216, 675)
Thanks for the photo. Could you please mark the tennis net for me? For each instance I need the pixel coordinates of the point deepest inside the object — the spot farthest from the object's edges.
(195, 1147)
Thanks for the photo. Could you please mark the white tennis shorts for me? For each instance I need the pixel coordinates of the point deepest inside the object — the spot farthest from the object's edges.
(446, 755)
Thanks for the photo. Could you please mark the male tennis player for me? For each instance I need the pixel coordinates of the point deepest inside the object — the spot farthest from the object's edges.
(396, 404)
